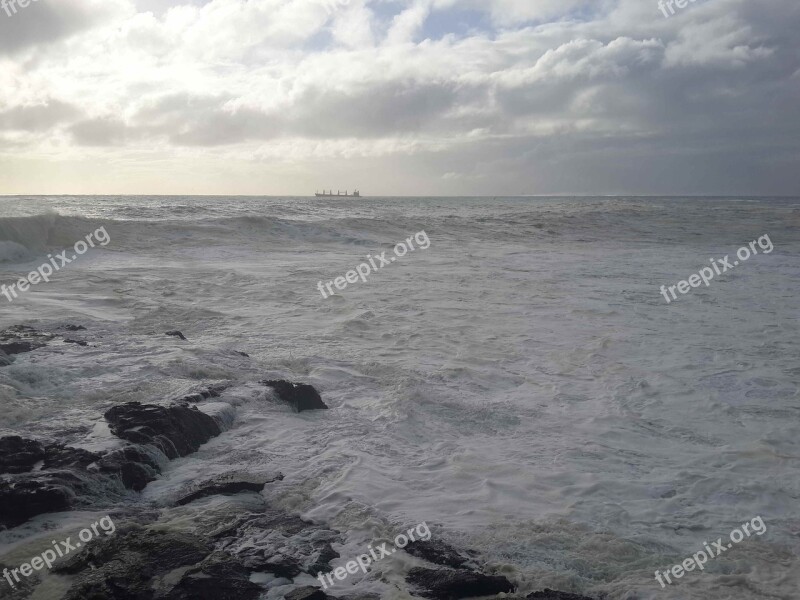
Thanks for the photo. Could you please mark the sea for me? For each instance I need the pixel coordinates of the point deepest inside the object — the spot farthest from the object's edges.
(521, 385)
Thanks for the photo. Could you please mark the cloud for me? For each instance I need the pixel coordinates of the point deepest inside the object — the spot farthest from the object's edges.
(561, 84)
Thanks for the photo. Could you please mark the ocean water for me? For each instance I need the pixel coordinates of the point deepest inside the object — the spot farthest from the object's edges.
(521, 385)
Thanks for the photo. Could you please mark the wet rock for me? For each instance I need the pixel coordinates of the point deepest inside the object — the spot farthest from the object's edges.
(23, 498)
(549, 594)
(74, 328)
(229, 483)
(124, 565)
(446, 584)
(5, 359)
(58, 456)
(218, 577)
(245, 354)
(212, 391)
(175, 430)
(19, 455)
(437, 552)
(132, 465)
(275, 540)
(177, 334)
(78, 342)
(306, 593)
(20, 347)
(300, 396)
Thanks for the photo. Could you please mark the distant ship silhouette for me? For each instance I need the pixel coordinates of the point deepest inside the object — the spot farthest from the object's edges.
(324, 194)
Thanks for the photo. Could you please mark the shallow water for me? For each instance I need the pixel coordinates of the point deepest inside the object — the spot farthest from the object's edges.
(521, 385)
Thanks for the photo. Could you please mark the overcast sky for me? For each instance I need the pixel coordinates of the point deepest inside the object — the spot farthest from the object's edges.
(400, 97)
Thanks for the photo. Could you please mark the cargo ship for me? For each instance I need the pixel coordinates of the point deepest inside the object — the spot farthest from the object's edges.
(329, 194)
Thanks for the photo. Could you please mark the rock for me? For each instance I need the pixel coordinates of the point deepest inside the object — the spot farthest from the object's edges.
(218, 577)
(78, 342)
(300, 396)
(74, 328)
(21, 499)
(212, 391)
(306, 593)
(176, 334)
(280, 543)
(446, 584)
(175, 430)
(437, 552)
(132, 465)
(19, 455)
(20, 347)
(548, 594)
(5, 359)
(245, 354)
(229, 483)
(58, 456)
(123, 565)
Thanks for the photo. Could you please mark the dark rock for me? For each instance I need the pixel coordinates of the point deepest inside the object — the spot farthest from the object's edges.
(74, 328)
(229, 483)
(446, 584)
(176, 334)
(437, 552)
(322, 560)
(300, 396)
(19, 455)
(212, 391)
(245, 354)
(548, 594)
(122, 566)
(306, 593)
(21, 499)
(274, 540)
(58, 456)
(20, 347)
(218, 577)
(282, 566)
(5, 359)
(78, 342)
(176, 430)
(132, 465)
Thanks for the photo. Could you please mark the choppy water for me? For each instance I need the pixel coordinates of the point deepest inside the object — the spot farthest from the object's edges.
(521, 383)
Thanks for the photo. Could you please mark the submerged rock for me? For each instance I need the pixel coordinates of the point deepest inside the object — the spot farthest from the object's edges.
(229, 483)
(78, 342)
(176, 430)
(218, 577)
(20, 339)
(437, 552)
(446, 584)
(212, 391)
(133, 465)
(176, 334)
(300, 396)
(5, 359)
(549, 594)
(306, 593)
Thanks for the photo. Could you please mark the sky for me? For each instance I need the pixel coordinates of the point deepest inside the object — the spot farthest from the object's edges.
(400, 97)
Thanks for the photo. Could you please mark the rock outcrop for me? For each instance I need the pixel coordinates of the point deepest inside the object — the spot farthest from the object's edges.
(176, 430)
(300, 396)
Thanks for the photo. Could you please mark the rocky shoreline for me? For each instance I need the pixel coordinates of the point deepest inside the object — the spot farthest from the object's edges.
(147, 557)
